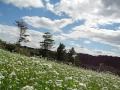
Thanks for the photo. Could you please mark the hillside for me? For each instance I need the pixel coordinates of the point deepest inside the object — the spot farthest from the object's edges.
(29, 73)
(109, 63)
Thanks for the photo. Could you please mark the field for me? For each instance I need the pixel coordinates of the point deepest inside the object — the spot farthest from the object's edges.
(19, 72)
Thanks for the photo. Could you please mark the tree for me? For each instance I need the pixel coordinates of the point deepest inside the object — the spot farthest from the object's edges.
(47, 43)
(61, 52)
(71, 55)
(23, 28)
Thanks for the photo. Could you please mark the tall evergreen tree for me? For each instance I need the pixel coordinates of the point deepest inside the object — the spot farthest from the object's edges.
(71, 55)
(47, 43)
(61, 52)
(23, 28)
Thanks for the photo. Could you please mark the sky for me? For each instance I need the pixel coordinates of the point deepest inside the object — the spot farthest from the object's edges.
(90, 26)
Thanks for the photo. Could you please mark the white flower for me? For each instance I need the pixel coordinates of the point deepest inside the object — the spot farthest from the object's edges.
(69, 88)
(12, 74)
(68, 78)
(116, 86)
(50, 81)
(56, 72)
(19, 62)
(82, 84)
(33, 58)
(89, 75)
(27, 87)
(1, 76)
(104, 88)
(59, 82)
(48, 65)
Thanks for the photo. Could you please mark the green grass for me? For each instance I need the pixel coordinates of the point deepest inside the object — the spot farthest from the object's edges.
(19, 72)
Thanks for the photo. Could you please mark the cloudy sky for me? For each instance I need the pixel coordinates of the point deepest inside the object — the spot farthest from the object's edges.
(91, 26)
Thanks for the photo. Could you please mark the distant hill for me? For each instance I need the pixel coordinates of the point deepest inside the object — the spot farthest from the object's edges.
(104, 63)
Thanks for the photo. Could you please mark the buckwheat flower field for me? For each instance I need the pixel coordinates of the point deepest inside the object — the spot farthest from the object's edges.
(19, 72)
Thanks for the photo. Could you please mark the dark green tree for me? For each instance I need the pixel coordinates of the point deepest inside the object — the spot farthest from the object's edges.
(47, 43)
(61, 52)
(71, 55)
(22, 35)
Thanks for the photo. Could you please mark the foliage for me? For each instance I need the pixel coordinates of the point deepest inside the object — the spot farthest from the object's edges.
(47, 43)
(71, 55)
(61, 52)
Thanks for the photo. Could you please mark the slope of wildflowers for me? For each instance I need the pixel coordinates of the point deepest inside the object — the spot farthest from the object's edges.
(24, 73)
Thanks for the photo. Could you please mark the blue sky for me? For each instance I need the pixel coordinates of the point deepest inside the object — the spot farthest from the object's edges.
(91, 29)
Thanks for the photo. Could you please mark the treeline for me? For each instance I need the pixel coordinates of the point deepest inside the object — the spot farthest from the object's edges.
(60, 55)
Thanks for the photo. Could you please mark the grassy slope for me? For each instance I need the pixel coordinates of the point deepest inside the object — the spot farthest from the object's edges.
(20, 72)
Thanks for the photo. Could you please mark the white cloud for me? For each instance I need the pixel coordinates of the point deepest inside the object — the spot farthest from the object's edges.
(110, 8)
(8, 31)
(109, 37)
(50, 6)
(95, 52)
(77, 8)
(36, 38)
(59, 37)
(87, 42)
(43, 22)
(25, 3)
(93, 11)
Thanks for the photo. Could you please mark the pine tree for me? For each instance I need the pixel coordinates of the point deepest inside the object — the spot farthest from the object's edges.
(71, 55)
(47, 43)
(61, 52)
